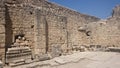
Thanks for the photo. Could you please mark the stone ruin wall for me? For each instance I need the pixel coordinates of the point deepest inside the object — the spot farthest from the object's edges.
(107, 32)
(46, 24)
(53, 25)
(2, 31)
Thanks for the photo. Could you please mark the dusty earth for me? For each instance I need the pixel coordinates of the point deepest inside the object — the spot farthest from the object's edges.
(79, 60)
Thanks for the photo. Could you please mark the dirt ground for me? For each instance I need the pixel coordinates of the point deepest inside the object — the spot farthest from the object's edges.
(79, 60)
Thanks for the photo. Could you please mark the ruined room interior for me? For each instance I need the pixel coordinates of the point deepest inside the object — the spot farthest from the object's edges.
(34, 30)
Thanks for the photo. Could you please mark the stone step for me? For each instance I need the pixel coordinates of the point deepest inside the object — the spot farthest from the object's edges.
(114, 49)
(14, 54)
(20, 62)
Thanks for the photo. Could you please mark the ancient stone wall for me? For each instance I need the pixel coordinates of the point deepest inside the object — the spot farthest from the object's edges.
(20, 21)
(49, 26)
(2, 30)
(114, 31)
(46, 24)
(71, 21)
(105, 32)
(114, 23)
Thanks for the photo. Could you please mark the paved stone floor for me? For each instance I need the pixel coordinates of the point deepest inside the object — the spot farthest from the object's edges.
(79, 60)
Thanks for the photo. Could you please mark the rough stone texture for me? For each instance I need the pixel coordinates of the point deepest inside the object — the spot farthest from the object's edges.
(104, 32)
(47, 24)
(2, 30)
(116, 11)
(18, 52)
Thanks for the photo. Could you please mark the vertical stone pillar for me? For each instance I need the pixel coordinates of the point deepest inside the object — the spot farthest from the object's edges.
(2, 31)
(40, 34)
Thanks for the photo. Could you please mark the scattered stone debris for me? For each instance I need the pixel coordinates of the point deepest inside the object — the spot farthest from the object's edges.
(79, 60)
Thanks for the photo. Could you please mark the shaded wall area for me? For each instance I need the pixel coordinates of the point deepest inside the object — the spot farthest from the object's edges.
(2, 30)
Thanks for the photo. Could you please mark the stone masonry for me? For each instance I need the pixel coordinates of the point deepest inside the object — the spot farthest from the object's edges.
(2, 30)
(47, 25)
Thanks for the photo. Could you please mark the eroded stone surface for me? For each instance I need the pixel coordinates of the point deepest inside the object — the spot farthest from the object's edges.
(47, 25)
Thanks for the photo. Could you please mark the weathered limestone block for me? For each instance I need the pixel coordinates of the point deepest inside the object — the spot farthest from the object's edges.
(114, 49)
(56, 51)
(18, 55)
(44, 57)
